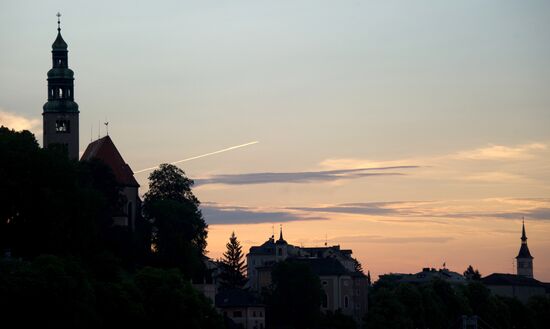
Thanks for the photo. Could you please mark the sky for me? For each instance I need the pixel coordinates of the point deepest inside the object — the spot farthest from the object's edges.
(414, 132)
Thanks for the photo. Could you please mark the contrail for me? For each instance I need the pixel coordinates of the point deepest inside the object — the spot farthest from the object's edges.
(201, 156)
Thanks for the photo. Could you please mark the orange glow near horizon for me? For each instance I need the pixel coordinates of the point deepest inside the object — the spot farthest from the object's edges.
(385, 245)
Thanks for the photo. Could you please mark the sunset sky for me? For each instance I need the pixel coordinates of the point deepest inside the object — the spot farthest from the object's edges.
(413, 132)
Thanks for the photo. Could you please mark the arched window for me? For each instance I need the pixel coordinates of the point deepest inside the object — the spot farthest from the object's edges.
(346, 301)
(60, 92)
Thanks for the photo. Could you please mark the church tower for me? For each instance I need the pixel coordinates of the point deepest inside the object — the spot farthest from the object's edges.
(524, 259)
(60, 113)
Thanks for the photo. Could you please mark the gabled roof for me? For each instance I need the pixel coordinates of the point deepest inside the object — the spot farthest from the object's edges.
(501, 279)
(105, 150)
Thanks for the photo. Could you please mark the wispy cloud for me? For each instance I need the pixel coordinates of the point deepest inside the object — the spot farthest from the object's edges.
(501, 152)
(18, 122)
(536, 209)
(301, 176)
(411, 212)
(215, 213)
(389, 239)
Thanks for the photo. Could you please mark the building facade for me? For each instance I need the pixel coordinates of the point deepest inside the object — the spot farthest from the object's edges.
(345, 289)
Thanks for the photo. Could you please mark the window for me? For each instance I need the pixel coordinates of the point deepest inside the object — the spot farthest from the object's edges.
(325, 283)
(346, 301)
(60, 92)
(324, 300)
(254, 314)
(280, 251)
(62, 126)
(237, 314)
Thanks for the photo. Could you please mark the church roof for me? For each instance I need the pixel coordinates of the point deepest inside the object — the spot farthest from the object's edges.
(501, 279)
(105, 150)
(524, 252)
(59, 43)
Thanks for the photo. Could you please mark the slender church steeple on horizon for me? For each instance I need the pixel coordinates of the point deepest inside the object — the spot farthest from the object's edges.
(60, 113)
(524, 260)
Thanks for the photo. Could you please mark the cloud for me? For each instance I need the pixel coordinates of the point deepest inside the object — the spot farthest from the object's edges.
(494, 177)
(217, 214)
(535, 209)
(394, 208)
(299, 177)
(501, 152)
(18, 122)
(391, 240)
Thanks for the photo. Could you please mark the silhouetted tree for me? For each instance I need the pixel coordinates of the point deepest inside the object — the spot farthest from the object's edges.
(179, 230)
(233, 268)
(294, 299)
(357, 265)
(472, 274)
(336, 320)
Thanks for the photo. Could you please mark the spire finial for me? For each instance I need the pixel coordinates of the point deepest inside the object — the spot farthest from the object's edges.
(58, 21)
(523, 235)
(281, 232)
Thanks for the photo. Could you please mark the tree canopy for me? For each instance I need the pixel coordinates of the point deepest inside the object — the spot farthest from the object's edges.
(233, 265)
(179, 230)
(70, 267)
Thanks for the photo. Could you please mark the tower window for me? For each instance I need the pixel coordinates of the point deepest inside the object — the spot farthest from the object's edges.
(62, 126)
(60, 93)
(346, 301)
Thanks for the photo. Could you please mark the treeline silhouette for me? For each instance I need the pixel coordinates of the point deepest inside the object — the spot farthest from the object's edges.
(439, 304)
(65, 265)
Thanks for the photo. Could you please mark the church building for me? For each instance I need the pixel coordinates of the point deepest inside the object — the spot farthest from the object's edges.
(521, 285)
(60, 130)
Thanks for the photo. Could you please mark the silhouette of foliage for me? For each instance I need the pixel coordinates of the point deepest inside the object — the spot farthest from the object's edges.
(438, 304)
(180, 232)
(472, 274)
(294, 299)
(233, 267)
(67, 266)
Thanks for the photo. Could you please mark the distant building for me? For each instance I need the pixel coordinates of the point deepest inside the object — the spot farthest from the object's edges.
(427, 275)
(344, 288)
(241, 307)
(511, 285)
(105, 150)
(524, 260)
(521, 285)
